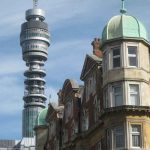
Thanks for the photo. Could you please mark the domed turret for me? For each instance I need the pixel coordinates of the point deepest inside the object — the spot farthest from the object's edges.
(124, 26)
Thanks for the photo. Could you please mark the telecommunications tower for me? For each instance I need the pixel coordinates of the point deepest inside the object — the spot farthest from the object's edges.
(34, 40)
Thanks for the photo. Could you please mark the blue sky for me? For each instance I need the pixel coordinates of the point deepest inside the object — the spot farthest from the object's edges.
(73, 24)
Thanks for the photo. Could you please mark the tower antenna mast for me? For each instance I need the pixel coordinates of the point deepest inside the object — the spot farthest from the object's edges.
(123, 10)
(35, 3)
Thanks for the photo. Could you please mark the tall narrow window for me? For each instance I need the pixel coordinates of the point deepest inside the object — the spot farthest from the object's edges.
(86, 121)
(117, 98)
(136, 136)
(118, 137)
(105, 62)
(96, 112)
(106, 104)
(98, 146)
(132, 56)
(116, 57)
(134, 94)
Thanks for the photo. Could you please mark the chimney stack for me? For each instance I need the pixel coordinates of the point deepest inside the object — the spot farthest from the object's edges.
(96, 47)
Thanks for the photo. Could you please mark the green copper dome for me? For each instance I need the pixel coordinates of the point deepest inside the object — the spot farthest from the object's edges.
(124, 26)
(41, 117)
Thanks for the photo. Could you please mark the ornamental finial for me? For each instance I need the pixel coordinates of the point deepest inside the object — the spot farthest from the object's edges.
(123, 10)
(35, 3)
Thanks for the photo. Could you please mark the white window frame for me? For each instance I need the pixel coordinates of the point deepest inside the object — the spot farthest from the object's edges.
(135, 133)
(109, 95)
(132, 55)
(115, 57)
(138, 94)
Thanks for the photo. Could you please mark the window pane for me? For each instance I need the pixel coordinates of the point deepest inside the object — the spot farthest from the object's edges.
(119, 137)
(134, 88)
(116, 57)
(135, 128)
(118, 100)
(119, 141)
(132, 49)
(136, 140)
(132, 61)
(117, 95)
(132, 54)
(133, 99)
(116, 52)
(117, 89)
(116, 62)
(134, 94)
(136, 135)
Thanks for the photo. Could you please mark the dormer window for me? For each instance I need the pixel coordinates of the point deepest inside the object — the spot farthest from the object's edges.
(116, 57)
(132, 56)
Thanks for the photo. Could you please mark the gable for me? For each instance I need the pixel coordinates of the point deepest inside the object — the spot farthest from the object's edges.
(89, 63)
(68, 87)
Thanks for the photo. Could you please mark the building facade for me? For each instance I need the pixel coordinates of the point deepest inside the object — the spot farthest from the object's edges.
(54, 120)
(111, 111)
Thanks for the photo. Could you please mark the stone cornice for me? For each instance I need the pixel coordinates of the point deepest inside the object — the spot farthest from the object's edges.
(126, 109)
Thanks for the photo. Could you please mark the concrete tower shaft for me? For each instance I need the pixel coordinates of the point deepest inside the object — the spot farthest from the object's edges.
(34, 40)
